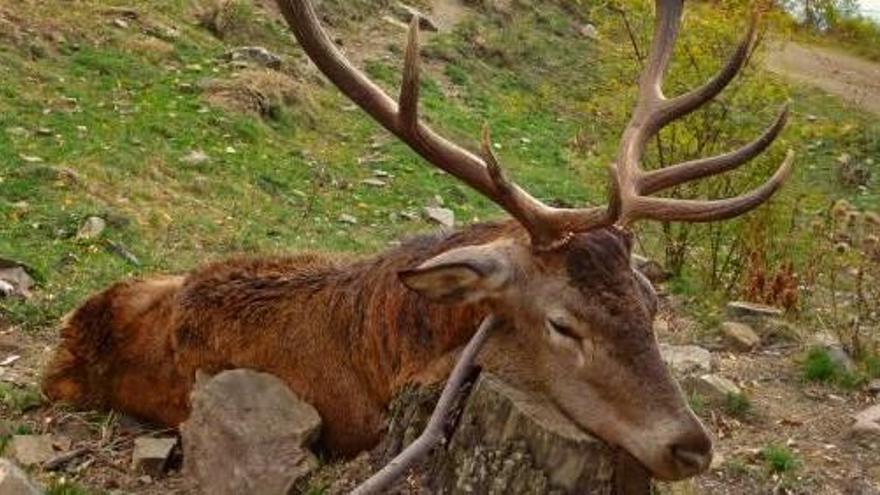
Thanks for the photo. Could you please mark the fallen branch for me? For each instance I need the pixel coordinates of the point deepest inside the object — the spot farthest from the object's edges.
(62, 459)
(433, 434)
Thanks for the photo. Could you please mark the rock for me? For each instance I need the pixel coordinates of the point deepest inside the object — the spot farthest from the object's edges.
(866, 429)
(874, 387)
(685, 360)
(151, 455)
(254, 54)
(743, 309)
(120, 23)
(713, 388)
(31, 450)
(248, 433)
(91, 228)
(740, 336)
(13, 481)
(195, 157)
(406, 13)
(349, 219)
(442, 216)
(835, 351)
(589, 31)
(374, 182)
(14, 279)
(509, 441)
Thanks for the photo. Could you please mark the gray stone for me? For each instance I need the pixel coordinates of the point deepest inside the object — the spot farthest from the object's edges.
(91, 228)
(740, 336)
(743, 309)
(874, 386)
(151, 455)
(349, 219)
(31, 450)
(13, 481)
(15, 281)
(685, 360)
(406, 13)
(713, 388)
(835, 351)
(442, 216)
(866, 429)
(589, 31)
(195, 157)
(254, 54)
(248, 433)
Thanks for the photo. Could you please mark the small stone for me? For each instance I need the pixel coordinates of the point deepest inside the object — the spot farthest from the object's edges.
(150, 455)
(406, 13)
(442, 216)
(31, 450)
(349, 219)
(740, 336)
(374, 182)
(6, 289)
(687, 359)
(44, 131)
(91, 228)
(874, 386)
(255, 54)
(31, 159)
(713, 388)
(14, 481)
(120, 23)
(740, 309)
(589, 31)
(195, 157)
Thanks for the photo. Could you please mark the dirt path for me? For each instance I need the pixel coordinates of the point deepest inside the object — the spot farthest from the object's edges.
(854, 79)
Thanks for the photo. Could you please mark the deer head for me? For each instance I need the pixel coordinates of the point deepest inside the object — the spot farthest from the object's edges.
(578, 317)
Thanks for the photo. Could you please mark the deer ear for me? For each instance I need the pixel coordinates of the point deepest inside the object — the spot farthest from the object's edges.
(467, 274)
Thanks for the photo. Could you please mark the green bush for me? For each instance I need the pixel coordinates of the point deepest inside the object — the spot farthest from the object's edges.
(779, 459)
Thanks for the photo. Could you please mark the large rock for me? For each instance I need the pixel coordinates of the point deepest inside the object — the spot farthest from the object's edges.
(866, 429)
(740, 336)
(14, 279)
(685, 360)
(31, 450)
(13, 481)
(507, 441)
(248, 433)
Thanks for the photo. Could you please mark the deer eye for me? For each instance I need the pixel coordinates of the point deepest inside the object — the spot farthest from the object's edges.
(563, 330)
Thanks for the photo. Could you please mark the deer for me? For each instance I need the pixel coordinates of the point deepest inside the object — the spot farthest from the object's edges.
(346, 334)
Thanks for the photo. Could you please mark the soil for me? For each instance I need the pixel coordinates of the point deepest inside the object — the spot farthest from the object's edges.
(851, 78)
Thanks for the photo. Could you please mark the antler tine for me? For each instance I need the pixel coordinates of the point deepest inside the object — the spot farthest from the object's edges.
(547, 226)
(654, 111)
(664, 178)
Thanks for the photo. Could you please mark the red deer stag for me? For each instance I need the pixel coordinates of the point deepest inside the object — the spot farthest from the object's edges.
(346, 335)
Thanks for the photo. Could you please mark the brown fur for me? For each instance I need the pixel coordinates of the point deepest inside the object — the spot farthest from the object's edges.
(344, 336)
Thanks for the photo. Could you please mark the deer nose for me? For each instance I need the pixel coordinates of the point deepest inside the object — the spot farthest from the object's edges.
(691, 453)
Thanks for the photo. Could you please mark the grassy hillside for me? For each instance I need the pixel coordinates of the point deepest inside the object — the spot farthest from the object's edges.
(137, 116)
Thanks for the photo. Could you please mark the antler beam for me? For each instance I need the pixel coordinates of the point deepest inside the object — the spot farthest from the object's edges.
(548, 226)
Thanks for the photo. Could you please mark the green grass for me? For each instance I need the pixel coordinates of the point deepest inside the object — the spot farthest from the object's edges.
(70, 488)
(818, 366)
(780, 459)
(19, 399)
(737, 405)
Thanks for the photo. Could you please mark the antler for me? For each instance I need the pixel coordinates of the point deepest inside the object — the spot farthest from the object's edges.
(548, 227)
(551, 227)
(654, 111)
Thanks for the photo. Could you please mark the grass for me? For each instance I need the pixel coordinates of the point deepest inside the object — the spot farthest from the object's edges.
(779, 459)
(737, 405)
(19, 399)
(819, 366)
